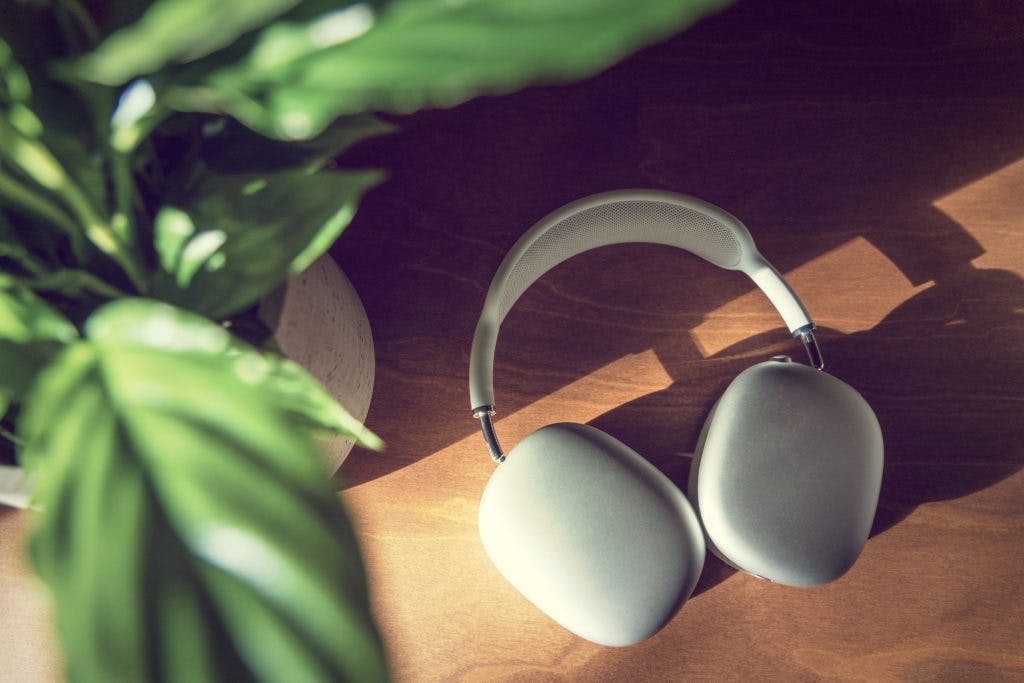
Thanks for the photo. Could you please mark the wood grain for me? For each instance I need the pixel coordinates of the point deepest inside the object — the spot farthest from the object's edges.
(875, 151)
(28, 649)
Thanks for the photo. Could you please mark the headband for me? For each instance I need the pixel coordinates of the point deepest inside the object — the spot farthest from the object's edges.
(646, 216)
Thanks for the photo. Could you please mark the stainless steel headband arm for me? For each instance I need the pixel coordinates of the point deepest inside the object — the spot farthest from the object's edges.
(484, 413)
(806, 335)
(650, 216)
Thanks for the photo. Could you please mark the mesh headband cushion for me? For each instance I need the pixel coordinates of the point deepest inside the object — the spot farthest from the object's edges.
(625, 220)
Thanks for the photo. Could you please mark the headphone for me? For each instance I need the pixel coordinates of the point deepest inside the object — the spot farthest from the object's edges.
(783, 484)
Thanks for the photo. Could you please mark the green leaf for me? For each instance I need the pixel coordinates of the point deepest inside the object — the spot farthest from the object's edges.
(73, 283)
(301, 74)
(295, 391)
(38, 276)
(14, 84)
(59, 169)
(174, 31)
(19, 366)
(190, 531)
(29, 247)
(13, 249)
(31, 333)
(25, 317)
(225, 240)
(306, 399)
(49, 114)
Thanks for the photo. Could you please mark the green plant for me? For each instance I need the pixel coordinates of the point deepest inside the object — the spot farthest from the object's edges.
(160, 172)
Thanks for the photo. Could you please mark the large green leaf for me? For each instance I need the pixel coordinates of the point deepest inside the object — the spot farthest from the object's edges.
(176, 31)
(147, 323)
(327, 58)
(225, 240)
(308, 401)
(189, 530)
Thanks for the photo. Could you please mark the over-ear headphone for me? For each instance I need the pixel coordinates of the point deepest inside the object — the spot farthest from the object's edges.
(784, 481)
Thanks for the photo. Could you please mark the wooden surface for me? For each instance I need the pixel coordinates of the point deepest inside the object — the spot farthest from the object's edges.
(876, 151)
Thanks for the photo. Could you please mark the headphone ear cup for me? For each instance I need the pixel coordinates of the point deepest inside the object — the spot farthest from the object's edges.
(691, 487)
(787, 474)
(591, 533)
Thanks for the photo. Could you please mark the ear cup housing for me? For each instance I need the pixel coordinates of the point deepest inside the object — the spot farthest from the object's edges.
(591, 533)
(787, 474)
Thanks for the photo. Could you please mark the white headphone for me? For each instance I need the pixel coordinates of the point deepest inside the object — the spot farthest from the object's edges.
(783, 485)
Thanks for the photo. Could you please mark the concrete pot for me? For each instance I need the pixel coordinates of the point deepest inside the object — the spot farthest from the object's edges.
(319, 322)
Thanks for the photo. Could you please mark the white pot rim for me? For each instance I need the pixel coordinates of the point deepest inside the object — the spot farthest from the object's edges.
(15, 487)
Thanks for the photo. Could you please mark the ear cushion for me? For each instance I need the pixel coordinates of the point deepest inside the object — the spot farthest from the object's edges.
(591, 533)
(787, 474)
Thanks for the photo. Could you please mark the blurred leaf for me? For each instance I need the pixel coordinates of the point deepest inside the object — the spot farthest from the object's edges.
(42, 109)
(54, 164)
(73, 283)
(160, 326)
(174, 31)
(14, 83)
(225, 240)
(305, 398)
(34, 247)
(31, 333)
(190, 532)
(299, 75)
(25, 317)
(233, 148)
(13, 249)
(20, 363)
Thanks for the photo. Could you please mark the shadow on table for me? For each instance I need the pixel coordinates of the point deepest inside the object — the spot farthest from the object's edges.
(942, 372)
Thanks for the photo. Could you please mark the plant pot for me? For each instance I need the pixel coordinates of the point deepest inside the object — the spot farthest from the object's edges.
(319, 322)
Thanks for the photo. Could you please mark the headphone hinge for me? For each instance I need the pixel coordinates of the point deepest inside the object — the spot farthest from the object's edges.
(484, 414)
(806, 335)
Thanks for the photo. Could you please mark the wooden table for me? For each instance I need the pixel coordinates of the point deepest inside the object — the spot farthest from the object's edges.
(876, 151)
